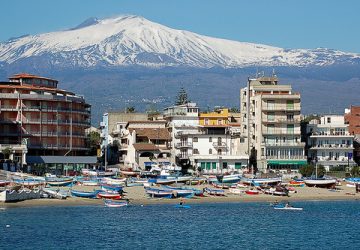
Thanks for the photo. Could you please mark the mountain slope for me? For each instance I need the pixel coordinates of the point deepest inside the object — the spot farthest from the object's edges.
(132, 40)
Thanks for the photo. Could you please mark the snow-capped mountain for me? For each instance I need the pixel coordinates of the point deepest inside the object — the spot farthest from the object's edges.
(133, 40)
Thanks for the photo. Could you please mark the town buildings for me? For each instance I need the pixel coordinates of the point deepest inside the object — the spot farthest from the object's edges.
(331, 144)
(270, 120)
(39, 119)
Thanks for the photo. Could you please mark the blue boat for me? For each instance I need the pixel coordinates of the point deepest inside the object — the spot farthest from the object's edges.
(159, 193)
(59, 182)
(84, 194)
(197, 192)
(213, 191)
(182, 206)
(112, 188)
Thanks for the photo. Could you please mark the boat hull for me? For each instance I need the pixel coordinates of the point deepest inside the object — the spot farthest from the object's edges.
(325, 183)
(112, 203)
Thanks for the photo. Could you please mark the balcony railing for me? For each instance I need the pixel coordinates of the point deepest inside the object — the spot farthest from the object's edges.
(280, 132)
(324, 134)
(183, 156)
(184, 145)
(285, 144)
(281, 120)
(332, 146)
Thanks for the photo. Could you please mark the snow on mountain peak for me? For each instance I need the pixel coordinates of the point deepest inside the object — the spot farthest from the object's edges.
(134, 40)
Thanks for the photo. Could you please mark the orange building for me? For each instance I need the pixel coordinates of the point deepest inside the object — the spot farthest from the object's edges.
(47, 120)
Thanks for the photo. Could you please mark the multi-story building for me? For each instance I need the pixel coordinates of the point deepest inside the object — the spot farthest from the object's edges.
(41, 118)
(182, 120)
(330, 142)
(270, 119)
(147, 142)
(112, 127)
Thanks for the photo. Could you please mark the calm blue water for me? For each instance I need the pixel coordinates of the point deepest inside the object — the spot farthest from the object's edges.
(322, 225)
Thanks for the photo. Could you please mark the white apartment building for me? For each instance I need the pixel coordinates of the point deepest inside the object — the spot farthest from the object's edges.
(182, 120)
(330, 142)
(270, 119)
(217, 150)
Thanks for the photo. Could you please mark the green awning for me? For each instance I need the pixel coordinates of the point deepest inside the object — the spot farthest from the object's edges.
(287, 162)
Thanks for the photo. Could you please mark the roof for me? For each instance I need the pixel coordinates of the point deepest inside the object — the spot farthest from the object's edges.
(145, 146)
(31, 87)
(26, 75)
(152, 133)
(61, 159)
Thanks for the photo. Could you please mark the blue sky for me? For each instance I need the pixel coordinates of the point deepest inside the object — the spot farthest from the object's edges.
(284, 23)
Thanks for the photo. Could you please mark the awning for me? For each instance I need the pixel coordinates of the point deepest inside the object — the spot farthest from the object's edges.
(61, 159)
(286, 162)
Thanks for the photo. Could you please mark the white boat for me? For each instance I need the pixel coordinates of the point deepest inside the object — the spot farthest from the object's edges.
(58, 194)
(236, 191)
(320, 182)
(288, 208)
(113, 181)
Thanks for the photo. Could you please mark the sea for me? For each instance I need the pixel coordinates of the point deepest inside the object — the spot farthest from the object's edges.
(321, 225)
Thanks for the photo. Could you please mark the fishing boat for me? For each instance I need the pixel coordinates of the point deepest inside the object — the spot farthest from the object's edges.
(352, 180)
(221, 185)
(159, 193)
(114, 203)
(296, 183)
(57, 194)
(130, 172)
(287, 207)
(112, 188)
(4, 183)
(197, 181)
(232, 178)
(107, 195)
(94, 182)
(59, 182)
(30, 182)
(320, 182)
(236, 191)
(84, 194)
(216, 192)
(252, 192)
(113, 181)
(182, 206)
(277, 191)
(262, 181)
(197, 192)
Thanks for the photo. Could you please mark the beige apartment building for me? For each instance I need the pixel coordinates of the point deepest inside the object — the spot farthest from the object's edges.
(270, 119)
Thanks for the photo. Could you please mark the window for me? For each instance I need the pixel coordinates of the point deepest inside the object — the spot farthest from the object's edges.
(208, 165)
(195, 151)
(195, 139)
(271, 116)
(203, 165)
(242, 140)
(213, 165)
(237, 165)
(210, 139)
(262, 151)
(271, 104)
(329, 120)
(225, 165)
(206, 121)
(290, 104)
(290, 128)
(219, 151)
(219, 140)
(219, 122)
(210, 151)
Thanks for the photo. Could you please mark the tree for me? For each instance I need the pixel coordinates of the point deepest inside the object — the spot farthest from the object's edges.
(309, 170)
(6, 151)
(93, 141)
(234, 110)
(130, 109)
(355, 171)
(182, 97)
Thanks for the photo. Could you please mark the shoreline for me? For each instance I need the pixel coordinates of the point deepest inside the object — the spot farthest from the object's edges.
(137, 196)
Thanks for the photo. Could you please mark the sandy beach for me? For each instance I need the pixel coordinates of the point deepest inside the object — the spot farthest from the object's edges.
(137, 196)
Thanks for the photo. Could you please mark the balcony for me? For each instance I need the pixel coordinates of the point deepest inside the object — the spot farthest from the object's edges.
(283, 107)
(282, 121)
(285, 144)
(331, 134)
(184, 145)
(332, 146)
(280, 132)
